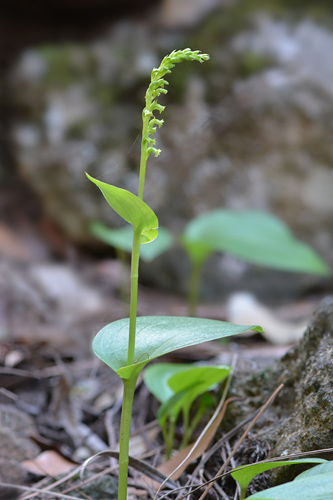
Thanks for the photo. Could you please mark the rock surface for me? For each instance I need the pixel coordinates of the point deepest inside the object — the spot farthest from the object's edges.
(307, 372)
(16, 428)
(300, 419)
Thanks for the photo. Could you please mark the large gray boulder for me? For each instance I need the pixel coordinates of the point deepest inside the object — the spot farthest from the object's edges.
(250, 129)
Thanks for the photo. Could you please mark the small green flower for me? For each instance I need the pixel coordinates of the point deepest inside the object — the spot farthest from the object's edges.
(156, 88)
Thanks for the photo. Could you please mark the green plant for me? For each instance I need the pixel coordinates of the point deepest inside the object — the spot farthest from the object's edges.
(257, 237)
(244, 475)
(313, 484)
(128, 344)
(177, 386)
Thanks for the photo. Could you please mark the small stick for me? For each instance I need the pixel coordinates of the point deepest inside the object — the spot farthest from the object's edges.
(141, 356)
(36, 490)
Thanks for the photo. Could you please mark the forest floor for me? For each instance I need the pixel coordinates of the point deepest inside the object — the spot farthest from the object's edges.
(59, 405)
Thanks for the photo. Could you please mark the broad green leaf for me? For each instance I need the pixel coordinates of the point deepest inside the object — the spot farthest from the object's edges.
(156, 378)
(203, 376)
(190, 384)
(317, 487)
(324, 468)
(131, 208)
(162, 380)
(122, 239)
(245, 475)
(178, 385)
(155, 336)
(258, 237)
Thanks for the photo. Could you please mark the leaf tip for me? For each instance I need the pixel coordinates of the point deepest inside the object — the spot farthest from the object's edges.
(89, 177)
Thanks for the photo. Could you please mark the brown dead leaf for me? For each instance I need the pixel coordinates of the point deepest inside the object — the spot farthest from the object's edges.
(11, 246)
(49, 463)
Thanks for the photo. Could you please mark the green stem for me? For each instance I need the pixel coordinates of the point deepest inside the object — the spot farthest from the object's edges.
(171, 437)
(195, 421)
(165, 434)
(195, 278)
(125, 427)
(129, 384)
(186, 424)
(134, 295)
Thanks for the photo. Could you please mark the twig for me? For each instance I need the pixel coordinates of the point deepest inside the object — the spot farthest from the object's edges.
(51, 371)
(138, 465)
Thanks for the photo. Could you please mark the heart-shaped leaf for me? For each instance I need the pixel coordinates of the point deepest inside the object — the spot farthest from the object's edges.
(190, 384)
(178, 385)
(205, 377)
(156, 378)
(258, 237)
(155, 336)
(131, 208)
(315, 487)
(245, 475)
(324, 468)
(122, 239)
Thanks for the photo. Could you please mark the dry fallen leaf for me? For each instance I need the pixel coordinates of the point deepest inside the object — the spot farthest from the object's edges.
(11, 246)
(49, 463)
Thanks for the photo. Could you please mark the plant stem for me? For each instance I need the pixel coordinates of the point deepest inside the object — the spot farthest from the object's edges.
(129, 384)
(134, 295)
(195, 421)
(170, 437)
(125, 426)
(186, 424)
(195, 277)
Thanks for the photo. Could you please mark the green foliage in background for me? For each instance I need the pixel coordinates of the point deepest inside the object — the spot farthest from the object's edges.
(257, 237)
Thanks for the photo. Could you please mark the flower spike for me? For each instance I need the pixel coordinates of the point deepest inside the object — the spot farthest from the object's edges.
(156, 87)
